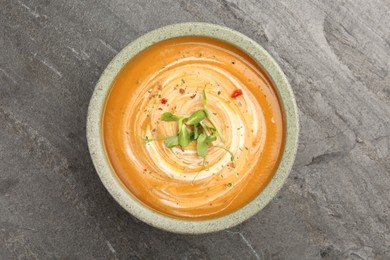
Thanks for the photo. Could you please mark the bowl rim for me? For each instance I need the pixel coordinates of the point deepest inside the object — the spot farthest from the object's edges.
(107, 174)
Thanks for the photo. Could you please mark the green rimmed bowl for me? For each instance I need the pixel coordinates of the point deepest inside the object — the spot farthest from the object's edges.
(107, 174)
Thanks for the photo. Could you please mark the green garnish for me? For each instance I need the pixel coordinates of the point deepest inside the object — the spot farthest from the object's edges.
(208, 114)
(184, 136)
(167, 116)
(196, 117)
(171, 141)
(204, 128)
(180, 125)
(199, 127)
(210, 139)
(201, 146)
(204, 98)
(196, 132)
(206, 124)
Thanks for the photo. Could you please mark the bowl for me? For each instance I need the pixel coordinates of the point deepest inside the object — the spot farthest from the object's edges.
(107, 174)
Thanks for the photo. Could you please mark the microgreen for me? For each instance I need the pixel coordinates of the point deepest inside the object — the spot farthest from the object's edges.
(204, 128)
(179, 125)
(184, 136)
(206, 124)
(211, 138)
(198, 127)
(208, 114)
(201, 146)
(196, 132)
(171, 141)
(167, 116)
(204, 98)
(196, 117)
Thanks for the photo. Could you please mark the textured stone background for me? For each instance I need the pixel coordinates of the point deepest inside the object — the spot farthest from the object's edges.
(336, 203)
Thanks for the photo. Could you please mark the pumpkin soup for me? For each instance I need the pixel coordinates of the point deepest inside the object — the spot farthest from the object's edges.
(193, 128)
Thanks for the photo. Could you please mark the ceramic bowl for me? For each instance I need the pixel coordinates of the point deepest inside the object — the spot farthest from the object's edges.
(108, 176)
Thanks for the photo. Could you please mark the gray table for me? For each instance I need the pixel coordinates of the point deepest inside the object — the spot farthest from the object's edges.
(336, 202)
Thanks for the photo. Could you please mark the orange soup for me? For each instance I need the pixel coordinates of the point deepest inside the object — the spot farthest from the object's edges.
(170, 76)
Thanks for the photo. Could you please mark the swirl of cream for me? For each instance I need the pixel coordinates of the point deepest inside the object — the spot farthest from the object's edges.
(187, 184)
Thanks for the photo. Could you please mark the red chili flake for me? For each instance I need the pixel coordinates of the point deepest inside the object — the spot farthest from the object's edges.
(236, 93)
(164, 101)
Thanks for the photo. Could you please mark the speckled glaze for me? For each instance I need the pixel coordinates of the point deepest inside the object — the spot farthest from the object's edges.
(119, 192)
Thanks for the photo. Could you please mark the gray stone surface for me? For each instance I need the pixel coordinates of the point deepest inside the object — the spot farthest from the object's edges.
(336, 203)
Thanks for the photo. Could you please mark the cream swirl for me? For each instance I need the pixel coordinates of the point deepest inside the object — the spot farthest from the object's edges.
(240, 120)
